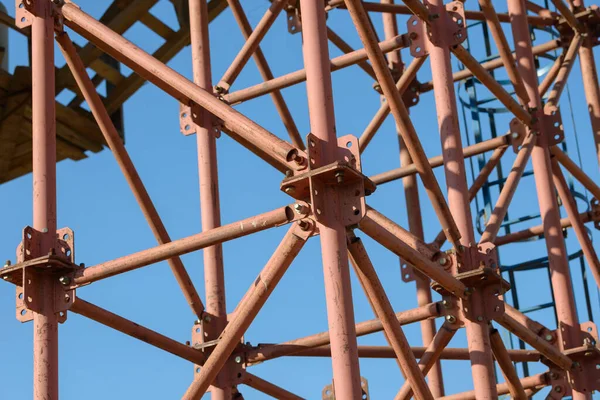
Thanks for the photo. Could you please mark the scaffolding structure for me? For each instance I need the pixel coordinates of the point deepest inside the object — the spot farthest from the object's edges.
(322, 173)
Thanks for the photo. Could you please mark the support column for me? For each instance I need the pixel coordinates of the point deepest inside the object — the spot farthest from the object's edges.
(589, 74)
(415, 223)
(570, 335)
(209, 190)
(480, 353)
(340, 313)
(45, 323)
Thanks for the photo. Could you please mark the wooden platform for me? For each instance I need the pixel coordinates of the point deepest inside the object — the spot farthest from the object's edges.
(76, 131)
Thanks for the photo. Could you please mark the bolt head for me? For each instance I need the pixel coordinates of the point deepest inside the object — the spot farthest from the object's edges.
(558, 389)
(548, 337)
(451, 318)
(238, 359)
(443, 261)
(480, 318)
(290, 189)
(515, 135)
(64, 280)
(207, 318)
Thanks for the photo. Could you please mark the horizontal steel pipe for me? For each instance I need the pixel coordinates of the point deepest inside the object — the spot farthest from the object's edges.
(186, 245)
(493, 64)
(278, 151)
(503, 388)
(473, 15)
(437, 161)
(537, 230)
(269, 351)
(293, 78)
(132, 329)
(449, 353)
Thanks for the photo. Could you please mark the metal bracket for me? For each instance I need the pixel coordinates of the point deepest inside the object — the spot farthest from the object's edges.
(595, 210)
(553, 126)
(408, 271)
(328, 392)
(345, 175)
(26, 273)
(449, 31)
(484, 279)
(294, 22)
(558, 383)
(518, 133)
(585, 374)
(23, 15)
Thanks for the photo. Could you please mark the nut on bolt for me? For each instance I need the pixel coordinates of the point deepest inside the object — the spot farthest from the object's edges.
(548, 337)
(238, 359)
(443, 261)
(300, 208)
(451, 318)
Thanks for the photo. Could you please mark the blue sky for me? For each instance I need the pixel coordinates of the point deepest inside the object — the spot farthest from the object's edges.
(94, 200)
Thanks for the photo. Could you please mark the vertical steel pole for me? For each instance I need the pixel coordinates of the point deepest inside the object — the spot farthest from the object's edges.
(480, 352)
(340, 313)
(570, 334)
(589, 74)
(45, 323)
(209, 189)
(415, 222)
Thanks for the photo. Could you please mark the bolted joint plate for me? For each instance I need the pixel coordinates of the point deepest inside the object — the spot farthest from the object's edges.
(595, 210)
(23, 13)
(447, 28)
(585, 374)
(553, 126)
(484, 278)
(344, 175)
(328, 392)
(25, 275)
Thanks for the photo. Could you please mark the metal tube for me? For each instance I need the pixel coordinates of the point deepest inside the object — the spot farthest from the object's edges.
(589, 75)
(577, 172)
(45, 322)
(551, 75)
(493, 64)
(270, 351)
(137, 331)
(538, 343)
(502, 388)
(506, 366)
(429, 358)
(384, 311)
(405, 80)
(411, 190)
(568, 15)
(251, 44)
(482, 177)
(276, 151)
(564, 71)
(482, 363)
(506, 56)
(404, 10)
(267, 75)
(570, 334)
(449, 353)
(437, 161)
(268, 388)
(396, 245)
(345, 47)
(492, 85)
(210, 209)
(571, 206)
(508, 190)
(116, 145)
(400, 113)
(186, 245)
(293, 78)
(257, 295)
(410, 239)
(338, 292)
(537, 230)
